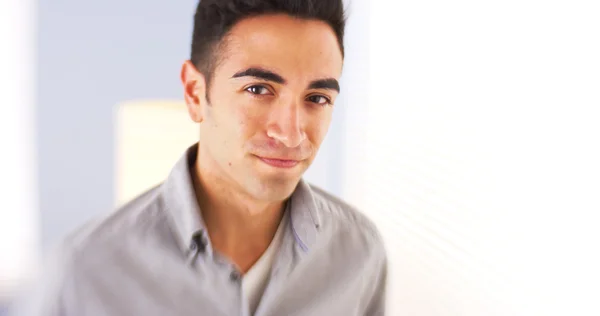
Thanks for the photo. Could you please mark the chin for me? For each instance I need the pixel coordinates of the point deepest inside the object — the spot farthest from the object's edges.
(274, 189)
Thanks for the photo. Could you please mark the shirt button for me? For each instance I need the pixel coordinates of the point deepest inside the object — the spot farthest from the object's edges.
(234, 276)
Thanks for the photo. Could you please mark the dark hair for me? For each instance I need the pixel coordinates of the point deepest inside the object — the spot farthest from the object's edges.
(215, 18)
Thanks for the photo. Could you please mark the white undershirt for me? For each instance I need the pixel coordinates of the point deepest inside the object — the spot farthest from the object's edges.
(256, 279)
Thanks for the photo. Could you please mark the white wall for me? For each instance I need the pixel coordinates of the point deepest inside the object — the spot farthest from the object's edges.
(482, 155)
(18, 192)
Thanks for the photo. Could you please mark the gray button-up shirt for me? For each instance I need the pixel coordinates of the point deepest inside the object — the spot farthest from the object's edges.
(143, 260)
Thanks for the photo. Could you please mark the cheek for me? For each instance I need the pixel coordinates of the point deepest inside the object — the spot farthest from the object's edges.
(318, 129)
(232, 120)
(249, 120)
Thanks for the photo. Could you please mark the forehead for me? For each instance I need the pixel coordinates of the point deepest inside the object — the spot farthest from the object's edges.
(295, 48)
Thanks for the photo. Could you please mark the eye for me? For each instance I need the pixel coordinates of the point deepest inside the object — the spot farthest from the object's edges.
(319, 99)
(258, 90)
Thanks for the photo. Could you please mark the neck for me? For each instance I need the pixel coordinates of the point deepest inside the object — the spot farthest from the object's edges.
(239, 227)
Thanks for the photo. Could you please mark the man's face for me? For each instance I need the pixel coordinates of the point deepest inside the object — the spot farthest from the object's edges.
(271, 101)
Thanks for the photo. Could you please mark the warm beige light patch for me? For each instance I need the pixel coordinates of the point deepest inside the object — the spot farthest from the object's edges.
(150, 138)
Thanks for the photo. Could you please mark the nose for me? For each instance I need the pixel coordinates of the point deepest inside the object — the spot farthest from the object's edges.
(285, 124)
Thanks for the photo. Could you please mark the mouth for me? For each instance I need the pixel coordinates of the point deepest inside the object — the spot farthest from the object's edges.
(279, 163)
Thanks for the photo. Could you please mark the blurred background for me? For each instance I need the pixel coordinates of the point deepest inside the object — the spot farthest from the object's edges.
(468, 131)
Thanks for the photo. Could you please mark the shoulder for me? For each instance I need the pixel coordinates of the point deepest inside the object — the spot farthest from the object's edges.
(115, 238)
(347, 224)
(101, 248)
(351, 242)
(337, 212)
(92, 250)
(136, 217)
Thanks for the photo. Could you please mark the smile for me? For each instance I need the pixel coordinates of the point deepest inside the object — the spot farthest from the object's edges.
(279, 163)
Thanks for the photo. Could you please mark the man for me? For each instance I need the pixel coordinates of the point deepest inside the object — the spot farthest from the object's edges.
(234, 230)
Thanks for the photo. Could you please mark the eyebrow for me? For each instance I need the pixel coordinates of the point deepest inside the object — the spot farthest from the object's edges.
(329, 83)
(261, 73)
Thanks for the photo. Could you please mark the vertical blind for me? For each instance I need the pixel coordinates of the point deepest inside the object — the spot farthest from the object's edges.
(480, 155)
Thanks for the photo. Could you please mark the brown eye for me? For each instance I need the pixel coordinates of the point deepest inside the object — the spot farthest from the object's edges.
(259, 90)
(319, 99)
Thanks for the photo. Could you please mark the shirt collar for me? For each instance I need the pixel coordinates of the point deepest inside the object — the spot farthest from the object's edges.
(182, 205)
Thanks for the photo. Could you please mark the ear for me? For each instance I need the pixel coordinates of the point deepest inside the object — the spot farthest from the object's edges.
(194, 85)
